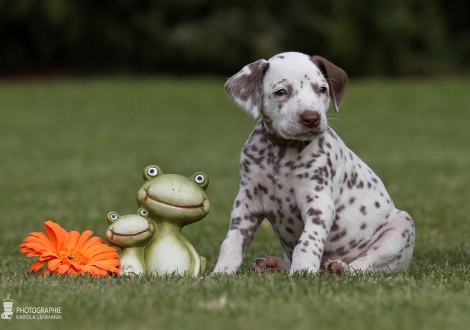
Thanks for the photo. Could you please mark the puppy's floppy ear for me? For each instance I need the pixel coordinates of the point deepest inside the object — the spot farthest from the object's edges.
(246, 87)
(336, 77)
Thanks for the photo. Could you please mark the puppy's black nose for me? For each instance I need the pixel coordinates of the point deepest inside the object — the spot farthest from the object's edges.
(310, 118)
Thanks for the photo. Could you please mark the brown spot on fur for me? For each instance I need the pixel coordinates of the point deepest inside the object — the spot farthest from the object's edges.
(248, 234)
(318, 221)
(340, 208)
(312, 212)
(314, 87)
(363, 209)
(338, 236)
(352, 182)
(363, 245)
(262, 188)
(246, 165)
(334, 227)
(235, 222)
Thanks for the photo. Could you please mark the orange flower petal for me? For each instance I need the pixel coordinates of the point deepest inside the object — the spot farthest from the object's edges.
(98, 248)
(50, 232)
(48, 256)
(105, 265)
(90, 243)
(40, 238)
(91, 270)
(65, 240)
(36, 266)
(104, 256)
(36, 247)
(63, 268)
(33, 238)
(112, 270)
(76, 266)
(28, 251)
(72, 272)
(101, 248)
(83, 239)
(53, 264)
(56, 233)
(101, 265)
(74, 236)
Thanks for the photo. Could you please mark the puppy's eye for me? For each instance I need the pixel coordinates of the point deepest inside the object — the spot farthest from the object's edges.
(281, 92)
(323, 90)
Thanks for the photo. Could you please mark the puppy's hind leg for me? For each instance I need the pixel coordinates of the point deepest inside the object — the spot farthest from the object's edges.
(392, 250)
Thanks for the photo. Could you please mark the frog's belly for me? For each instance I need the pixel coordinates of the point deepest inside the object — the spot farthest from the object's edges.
(131, 263)
(168, 256)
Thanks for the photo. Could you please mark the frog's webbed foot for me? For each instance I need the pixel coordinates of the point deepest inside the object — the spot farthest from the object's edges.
(202, 269)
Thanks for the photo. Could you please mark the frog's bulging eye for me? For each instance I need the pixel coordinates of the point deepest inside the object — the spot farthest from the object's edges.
(112, 216)
(152, 171)
(143, 212)
(199, 179)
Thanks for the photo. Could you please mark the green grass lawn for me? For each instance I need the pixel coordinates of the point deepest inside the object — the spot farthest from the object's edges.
(72, 151)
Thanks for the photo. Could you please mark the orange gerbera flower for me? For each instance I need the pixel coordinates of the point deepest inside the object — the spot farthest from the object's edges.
(70, 253)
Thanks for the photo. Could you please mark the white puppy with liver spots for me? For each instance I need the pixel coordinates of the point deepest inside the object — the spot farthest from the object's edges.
(327, 208)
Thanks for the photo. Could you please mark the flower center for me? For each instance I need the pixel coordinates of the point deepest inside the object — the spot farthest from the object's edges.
(72, 257)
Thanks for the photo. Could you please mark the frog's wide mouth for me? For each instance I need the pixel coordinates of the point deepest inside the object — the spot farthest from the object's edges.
(182, 207)
(129, 235)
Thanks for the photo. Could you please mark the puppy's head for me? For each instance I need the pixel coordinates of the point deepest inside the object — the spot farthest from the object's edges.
(291, 91)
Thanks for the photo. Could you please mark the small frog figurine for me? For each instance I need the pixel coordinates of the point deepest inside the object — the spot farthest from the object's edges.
(173, 201)
(131, 233)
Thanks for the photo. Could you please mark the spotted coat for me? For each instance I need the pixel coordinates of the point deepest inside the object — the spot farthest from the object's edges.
(323, 202)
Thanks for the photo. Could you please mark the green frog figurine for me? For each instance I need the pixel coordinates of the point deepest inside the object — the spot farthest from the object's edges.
(172, 202)
(131, 233)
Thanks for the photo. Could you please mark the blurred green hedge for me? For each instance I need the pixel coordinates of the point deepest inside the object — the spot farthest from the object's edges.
(365, 37)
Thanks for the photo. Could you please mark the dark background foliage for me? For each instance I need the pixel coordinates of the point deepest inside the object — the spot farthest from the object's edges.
(365, 37)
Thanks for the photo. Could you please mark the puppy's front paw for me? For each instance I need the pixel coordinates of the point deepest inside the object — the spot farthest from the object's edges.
(270, 265)
(336, 266)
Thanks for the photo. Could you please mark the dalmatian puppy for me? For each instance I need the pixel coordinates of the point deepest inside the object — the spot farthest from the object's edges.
(326, 206)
